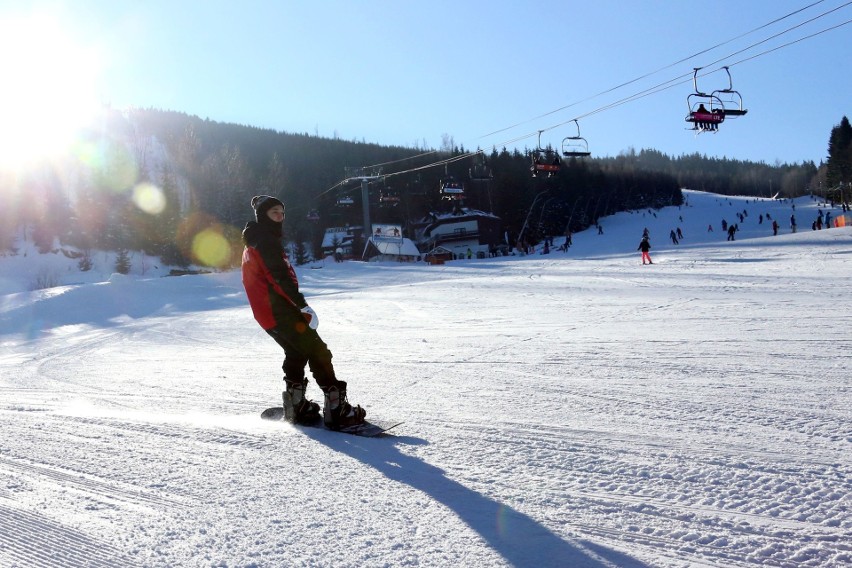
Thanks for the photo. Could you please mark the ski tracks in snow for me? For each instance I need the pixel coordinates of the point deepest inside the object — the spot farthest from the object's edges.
(692, 414)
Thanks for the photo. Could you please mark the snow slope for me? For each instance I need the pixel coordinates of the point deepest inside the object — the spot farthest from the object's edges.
(570, 409)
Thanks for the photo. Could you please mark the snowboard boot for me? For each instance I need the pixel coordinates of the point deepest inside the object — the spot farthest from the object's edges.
(338, 413)
(297, 408)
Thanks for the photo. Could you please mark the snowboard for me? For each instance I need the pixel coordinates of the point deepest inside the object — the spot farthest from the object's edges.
(367, 429)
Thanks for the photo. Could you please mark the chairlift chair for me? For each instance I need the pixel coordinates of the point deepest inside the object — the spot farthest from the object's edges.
(544, 160)
(732, 100)
(705, 112)
(575, 146)
(480, 172)
(388, 197)
(451, 189)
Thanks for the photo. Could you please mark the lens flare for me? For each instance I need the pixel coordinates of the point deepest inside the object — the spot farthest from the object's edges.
(211, 248)
(87, 153)
(120, 171)
(149, 198)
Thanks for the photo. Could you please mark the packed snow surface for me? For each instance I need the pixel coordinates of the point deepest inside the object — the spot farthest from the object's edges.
(574, 409)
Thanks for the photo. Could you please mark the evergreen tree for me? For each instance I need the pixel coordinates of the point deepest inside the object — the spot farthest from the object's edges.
(301, 254)
(209, 174)
(839, 165)
(275, 179)
(85, 263)
(122, 261)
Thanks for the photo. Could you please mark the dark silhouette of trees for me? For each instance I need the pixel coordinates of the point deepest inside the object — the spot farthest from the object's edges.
(152, 179)
(839, 164)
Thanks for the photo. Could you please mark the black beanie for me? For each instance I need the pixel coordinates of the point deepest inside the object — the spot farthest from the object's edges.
(261, 204)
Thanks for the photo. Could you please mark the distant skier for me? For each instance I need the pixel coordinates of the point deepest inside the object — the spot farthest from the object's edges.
(281, 310)
(645, 247)
(793, 223)
(673, 237)
(732, 229)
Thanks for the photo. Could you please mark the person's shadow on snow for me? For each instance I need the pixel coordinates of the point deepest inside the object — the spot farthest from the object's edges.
(518, 538)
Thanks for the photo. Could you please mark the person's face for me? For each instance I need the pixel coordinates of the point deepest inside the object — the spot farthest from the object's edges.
(276, 213)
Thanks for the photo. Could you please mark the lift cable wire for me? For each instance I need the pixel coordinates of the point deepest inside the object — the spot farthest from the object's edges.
(646, 75)
(686, 78)
(679, 80)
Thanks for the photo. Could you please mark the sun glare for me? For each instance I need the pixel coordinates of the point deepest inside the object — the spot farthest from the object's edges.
(49, 89)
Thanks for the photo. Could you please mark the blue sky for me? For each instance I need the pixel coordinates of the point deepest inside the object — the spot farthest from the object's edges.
(411, 73)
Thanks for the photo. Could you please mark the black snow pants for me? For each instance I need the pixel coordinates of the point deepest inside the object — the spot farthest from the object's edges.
(303, 346)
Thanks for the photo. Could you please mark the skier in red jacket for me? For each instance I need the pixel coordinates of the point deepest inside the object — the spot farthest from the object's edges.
(280, 309)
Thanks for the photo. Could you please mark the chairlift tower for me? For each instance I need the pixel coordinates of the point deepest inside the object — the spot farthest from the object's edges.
(365, 176)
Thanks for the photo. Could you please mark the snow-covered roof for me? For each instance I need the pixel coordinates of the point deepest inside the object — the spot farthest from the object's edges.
(400, 247)
(458, 212)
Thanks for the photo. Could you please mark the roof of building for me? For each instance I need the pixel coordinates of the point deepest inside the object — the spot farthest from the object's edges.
(399, 247)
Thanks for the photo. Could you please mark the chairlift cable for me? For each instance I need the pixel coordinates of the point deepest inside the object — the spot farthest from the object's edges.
(779, 34)
(659, 87)
(680, 80)
(676, 81)
(646, 75)
(755, 56)
(430, 152)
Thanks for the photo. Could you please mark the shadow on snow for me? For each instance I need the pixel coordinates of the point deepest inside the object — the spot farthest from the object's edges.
(518, 538)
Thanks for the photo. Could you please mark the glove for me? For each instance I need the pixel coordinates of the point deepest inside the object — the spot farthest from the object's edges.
(310, 316)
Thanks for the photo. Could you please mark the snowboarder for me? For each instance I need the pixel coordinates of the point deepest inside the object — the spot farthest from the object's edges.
(645, 246)
(280, 309)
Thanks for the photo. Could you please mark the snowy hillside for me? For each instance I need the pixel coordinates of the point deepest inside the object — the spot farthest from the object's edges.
(570, 409)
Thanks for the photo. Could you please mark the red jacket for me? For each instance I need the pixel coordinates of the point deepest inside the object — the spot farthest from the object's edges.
(269, 279)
